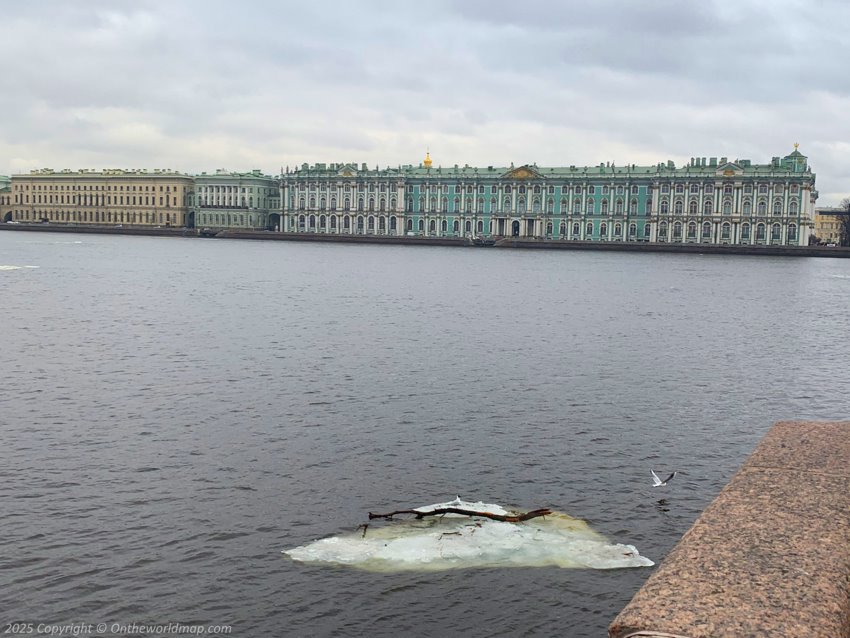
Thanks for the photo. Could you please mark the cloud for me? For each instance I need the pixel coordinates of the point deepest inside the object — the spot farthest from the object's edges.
(198, 85)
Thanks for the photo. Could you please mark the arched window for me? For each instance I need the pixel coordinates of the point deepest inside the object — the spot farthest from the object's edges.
(323, 222)
(692, 207)
(455, 226)
(467, 227)
(588, 231)
(706, 230)
(456, 205)
(480, 205)
(760, 232)
(603, 229)
(692, 230)
(577, 206)
(382, 223)
(409, 225)
(312, 203)
(677, 230)
(589, 207)
(382, 204)
(507, 205)
(333, 203)
(443, 226)
(604, 207)
(360, 204)
(480, 226)
(662, 229)
(393, 203)
(371, 203)
(421, 225)
(775, 232)
(748, 208)
(549, 228)
(301, 205)
(762, 208)
(618, 230)
(777, 208)
(521, 206)
(665, 207)
(322, 203)
(745, 231)
(632, 230)
(562, 229)
(618, 207)
(677, 207)
(371, 223)
(432, 226)
(706, 207)
(792, 210)
(727, 207)
(792, 232)
(724, 230)
(576, 228)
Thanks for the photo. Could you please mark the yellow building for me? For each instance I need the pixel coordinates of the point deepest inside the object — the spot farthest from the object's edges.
(828, 224)
(109, 197)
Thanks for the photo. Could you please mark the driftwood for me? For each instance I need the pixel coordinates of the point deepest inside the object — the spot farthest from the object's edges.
(456, 510)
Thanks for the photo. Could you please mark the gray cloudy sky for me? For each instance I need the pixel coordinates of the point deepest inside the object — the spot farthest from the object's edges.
(202, 84)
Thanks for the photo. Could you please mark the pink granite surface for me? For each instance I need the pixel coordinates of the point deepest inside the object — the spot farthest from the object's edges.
(769, 557)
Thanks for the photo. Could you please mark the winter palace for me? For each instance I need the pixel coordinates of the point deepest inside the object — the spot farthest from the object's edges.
(708, 200)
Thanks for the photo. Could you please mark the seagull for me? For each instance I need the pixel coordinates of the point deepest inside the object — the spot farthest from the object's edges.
(657, 482)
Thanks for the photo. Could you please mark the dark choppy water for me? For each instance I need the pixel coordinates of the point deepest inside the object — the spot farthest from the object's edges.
(175, 412)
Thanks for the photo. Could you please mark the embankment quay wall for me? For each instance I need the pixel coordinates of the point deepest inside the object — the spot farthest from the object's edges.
(770, 556)
(506, 242)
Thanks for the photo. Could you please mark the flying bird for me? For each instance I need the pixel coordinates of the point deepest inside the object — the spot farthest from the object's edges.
(657, 482)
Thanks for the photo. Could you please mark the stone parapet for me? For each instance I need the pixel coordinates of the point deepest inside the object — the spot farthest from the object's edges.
(769, 557)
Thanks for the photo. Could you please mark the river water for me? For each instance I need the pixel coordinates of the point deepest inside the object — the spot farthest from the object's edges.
(175, 412)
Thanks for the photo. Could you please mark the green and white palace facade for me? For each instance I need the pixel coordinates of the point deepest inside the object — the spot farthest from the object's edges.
(225, 200)
(709, 200)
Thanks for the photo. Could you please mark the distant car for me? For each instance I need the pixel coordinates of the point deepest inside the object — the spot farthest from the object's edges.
(830, 245)
(12, 222)
(120, 226)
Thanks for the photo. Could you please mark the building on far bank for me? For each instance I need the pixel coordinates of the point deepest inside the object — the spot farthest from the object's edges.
(237, 200)
(828, 224)
(108, 197)
(5, 199)
(706, 201)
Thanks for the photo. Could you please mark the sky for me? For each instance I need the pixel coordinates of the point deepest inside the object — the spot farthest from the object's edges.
(197, 85)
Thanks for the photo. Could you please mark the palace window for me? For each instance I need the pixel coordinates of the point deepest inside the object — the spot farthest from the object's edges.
(792, 232)
(680, 189)
(707, 207)
(692, 230)
(777, 207)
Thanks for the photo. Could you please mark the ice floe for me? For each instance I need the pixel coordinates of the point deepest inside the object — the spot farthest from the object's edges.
(456, 541)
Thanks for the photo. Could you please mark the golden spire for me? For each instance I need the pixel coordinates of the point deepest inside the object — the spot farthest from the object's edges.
(427, 161)
(796, 145)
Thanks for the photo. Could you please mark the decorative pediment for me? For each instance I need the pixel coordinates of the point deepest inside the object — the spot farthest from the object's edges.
(729, 169)
(523, 172)
(349, 170)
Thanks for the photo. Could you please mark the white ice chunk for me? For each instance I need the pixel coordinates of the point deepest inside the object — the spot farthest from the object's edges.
(453, 541)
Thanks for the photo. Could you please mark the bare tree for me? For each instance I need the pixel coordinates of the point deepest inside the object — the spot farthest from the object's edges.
(843, 218)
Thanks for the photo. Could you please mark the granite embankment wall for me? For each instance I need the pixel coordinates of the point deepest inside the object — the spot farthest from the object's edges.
(508, 242)
(769, 557)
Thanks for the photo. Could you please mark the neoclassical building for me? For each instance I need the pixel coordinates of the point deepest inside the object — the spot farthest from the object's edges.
(108, 197)
(237, 200)
(5, 199)
(708, 200)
